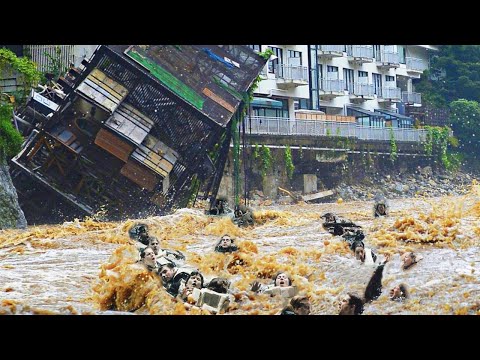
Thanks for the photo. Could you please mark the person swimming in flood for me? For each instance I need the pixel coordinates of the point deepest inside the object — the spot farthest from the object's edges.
(380, 206)
(409, 259)
(226, 244)
(139, 232)
(172, 277)
(243, 216)
(220, 207)
(173, 256)
(364, 254)
(281, 280)
(399, 292)
(148, 259)
(299, 305)
(193, 281)
(353, 304)
(336, 225)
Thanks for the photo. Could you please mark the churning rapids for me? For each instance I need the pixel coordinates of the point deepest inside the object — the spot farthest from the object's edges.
(85, 267)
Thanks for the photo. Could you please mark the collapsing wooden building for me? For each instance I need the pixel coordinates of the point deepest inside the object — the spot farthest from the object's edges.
(138, 125)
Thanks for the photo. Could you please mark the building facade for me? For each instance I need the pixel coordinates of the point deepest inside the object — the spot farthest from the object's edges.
(371, 85)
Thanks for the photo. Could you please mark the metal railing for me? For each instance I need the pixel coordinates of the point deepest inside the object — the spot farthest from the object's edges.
(263, 125)
(390, 57)
(333, 85)
(416, 64)
(411, 97)
(393, 93)
(64, 53)
(331, 48)
(364, 51)
(292, 72)
(363, 89)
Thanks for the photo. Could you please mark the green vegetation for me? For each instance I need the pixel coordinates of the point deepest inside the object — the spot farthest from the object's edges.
(289, 162)
(29, 76)
(393, 146)
(10, 138)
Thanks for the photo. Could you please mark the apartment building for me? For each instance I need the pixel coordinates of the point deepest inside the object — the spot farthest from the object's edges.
(368, 84)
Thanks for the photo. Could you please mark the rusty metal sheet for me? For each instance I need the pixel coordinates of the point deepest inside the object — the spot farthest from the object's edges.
(114, 145)
(139, 175)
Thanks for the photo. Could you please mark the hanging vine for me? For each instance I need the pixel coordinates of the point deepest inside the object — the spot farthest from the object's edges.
(289, 162)
(393, 146)
(267, 160)
(436, 143)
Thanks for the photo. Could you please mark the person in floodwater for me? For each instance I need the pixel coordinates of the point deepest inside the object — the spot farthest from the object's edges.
(336, 225)
(353, 237)
(409, 259)
(172, 277)
(380, 207)
(139, 232)
(243, 216)
(399, 292)
(365, 255)
(299, 305)
(220, 207)
(170, 255)
(281, 279)
(353, 304)
(148, 258)
(226, 244)
(193, 281)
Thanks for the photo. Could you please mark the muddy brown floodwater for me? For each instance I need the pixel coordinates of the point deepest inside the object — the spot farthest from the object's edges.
(87, 267)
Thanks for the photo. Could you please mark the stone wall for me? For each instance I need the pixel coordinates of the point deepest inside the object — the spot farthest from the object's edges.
(11, 215)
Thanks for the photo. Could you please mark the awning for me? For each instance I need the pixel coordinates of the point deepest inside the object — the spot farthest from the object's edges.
(360, 111)
(391, 114)
(269, 103)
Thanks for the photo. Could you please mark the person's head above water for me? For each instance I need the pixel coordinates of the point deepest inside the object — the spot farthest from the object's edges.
(166, 272)
(329, 217)
(194, 280)
(399, 292)
(226, 241)
(219, 285)
(148, 257)
(360, 252)
(154, 244)
(282, 279)
(351, 304)
(409, 259)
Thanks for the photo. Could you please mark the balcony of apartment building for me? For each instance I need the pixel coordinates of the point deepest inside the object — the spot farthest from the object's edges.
(411, 98)
(360, 54)
(387, 59)
(330, 51)
(361, 92)
(308, 123)
(415, 66)
(331, 88)
(291, 76)
(390, 94)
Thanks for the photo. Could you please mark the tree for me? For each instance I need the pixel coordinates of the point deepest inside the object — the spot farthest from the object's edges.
(454, 74)
(465, 117)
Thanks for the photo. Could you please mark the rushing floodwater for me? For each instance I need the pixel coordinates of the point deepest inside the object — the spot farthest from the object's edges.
(86, 267)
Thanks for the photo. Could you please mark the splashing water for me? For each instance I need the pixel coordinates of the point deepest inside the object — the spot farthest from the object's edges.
(90, 267)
